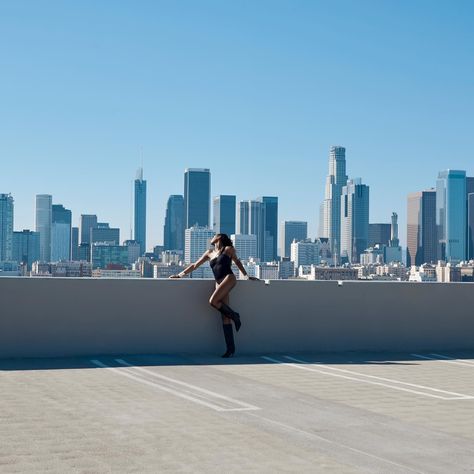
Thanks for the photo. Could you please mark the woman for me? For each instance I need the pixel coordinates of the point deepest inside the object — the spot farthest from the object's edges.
(220, 259)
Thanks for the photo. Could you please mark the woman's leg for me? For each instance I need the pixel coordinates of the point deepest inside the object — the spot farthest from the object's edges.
(217, 300)
(228, 331)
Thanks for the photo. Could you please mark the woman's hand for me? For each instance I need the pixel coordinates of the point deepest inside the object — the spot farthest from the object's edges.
(174, 276)
(253, 278)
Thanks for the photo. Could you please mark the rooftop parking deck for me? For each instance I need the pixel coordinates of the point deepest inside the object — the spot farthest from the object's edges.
(296, 412)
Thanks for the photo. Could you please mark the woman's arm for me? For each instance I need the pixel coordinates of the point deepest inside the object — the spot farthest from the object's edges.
(236, 260)
(193, 266)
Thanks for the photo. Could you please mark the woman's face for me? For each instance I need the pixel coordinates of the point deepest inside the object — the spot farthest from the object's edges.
(215, 240)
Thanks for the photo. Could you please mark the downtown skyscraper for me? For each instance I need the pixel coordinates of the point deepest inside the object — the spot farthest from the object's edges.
(173, 232)
(330, 218)
(197, 197)
(421, 228)
(451, 215)
(140, 211)
(6, 227)
(223, 215)
(354, 220)
(61, 233)
(44, 220)
(292, 230)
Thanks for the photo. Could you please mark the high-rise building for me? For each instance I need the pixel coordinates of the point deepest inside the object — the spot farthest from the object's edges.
(470, 218)
(451, 215)
(379, 234)
(44, 220)
(197, 197)
(224, 214)
(305, 252)
(140, 211)
(74, 243)
(292, 230)
(270, 227)
(354, 219)
(173, 237)
(393, 252)
(336, 179)
(102, 232)
(6, 227)
(260, 218)
(26, 247)
(61, 233)
(243, 218)
(104, 254)
(88, 222)
(421, 228)
(197, 240)
(245, 246)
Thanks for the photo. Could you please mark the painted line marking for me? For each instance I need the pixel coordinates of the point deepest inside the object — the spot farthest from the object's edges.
(192, 393)
(462, 361)
(334, 443)
(446, 359)
(243, 405)
(457, 396)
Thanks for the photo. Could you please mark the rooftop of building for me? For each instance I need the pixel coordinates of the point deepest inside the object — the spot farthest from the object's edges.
(310, 412)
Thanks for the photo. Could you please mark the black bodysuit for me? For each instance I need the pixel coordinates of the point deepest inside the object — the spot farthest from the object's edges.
(221, 266)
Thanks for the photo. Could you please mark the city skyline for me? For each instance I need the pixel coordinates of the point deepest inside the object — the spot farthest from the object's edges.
(241, 89)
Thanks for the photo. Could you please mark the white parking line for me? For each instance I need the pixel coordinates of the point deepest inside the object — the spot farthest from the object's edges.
(191, 392)
(394, 384)
(441, 358)
(463, 361)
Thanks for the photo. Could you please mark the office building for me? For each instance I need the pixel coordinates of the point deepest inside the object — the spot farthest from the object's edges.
(140, 211)
(61, 233)
(354, 220)
(305, 252)
(290, 231)
(26, 247)
(451, 215)
(270, 227)
(470, 218)
(6, 227)
(243, 218)
(379, 234)
(335, 181)
(197, 197)
(173, 237)
(105, 254)
(88, 222)
(74, 243)
(421, 228)
(224, 213)
(102, 232)
(44, 220)
(134, 250)
(197, 240)
(245, 246)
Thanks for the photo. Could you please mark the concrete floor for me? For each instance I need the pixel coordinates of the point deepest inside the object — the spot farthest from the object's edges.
(367, 413)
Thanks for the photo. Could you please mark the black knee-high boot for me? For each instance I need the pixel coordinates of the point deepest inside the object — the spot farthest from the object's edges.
(230, 313)
(229, 340)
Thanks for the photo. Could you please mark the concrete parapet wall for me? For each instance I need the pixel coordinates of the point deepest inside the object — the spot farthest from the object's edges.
(54, 317)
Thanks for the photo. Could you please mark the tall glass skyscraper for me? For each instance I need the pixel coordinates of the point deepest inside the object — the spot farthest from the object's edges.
(223, 221)
(6, 227)
(331, 208)
(292, 230)
(470, 218)
(61, 233)
(26, 247)
(140, 211)
(173, 238)
(421, 228)
(88, 222)
(270, 227)
(197, 197)
(451, 215)
(354, 219)
(243, 218)
(44, 218)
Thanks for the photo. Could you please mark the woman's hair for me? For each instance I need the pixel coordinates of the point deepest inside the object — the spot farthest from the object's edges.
(225, 241)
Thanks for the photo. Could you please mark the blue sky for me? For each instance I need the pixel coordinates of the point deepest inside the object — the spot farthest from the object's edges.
(257, 91)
